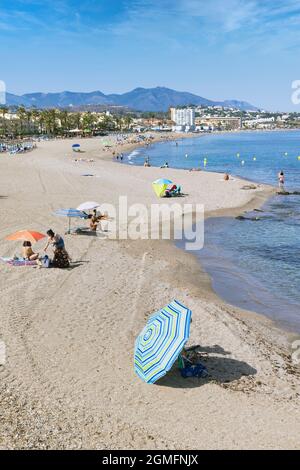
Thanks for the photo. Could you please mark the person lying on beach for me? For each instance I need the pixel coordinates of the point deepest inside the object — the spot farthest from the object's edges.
(28, 253)
(166, 165)
(173, 191)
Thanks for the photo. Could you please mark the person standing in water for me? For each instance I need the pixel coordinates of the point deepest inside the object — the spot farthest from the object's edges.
(281, 181)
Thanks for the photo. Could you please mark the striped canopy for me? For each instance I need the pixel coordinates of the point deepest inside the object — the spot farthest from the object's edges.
(159, 186)
(70, 213)
(161, 341)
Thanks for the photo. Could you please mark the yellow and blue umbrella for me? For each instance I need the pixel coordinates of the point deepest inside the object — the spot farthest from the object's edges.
(161, 341)
(160, 186)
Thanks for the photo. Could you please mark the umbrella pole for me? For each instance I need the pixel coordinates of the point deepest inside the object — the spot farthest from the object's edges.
(69, 225)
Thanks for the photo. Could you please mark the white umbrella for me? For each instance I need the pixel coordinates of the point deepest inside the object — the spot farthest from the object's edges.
(88, 206)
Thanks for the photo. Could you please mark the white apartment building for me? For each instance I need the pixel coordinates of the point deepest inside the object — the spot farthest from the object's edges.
(183, 117)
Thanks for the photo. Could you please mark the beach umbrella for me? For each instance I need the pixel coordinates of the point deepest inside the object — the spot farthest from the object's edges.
(161, 341)
(160, 186)
(70, 213)
(27, 235)
(76, 147)
(88, 206)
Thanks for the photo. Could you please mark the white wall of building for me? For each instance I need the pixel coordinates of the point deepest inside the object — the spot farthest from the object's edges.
(183, 117)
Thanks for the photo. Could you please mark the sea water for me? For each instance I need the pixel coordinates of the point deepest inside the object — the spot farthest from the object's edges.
(254, 264)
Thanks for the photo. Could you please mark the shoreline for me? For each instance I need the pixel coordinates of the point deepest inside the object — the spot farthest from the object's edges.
(257, 201)
(68, 382)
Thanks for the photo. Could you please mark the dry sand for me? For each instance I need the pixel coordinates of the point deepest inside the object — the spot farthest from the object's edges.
(68, 381)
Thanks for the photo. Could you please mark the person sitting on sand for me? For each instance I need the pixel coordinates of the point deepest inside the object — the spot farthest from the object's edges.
(166, 165)
(94, 220)
(28, 253)
(226, 177)
(61, 257)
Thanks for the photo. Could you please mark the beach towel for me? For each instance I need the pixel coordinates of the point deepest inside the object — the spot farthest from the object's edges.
(18, 261)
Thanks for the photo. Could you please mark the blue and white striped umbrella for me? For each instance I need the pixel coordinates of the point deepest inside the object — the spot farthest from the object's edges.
(161, 341)
(70, 213)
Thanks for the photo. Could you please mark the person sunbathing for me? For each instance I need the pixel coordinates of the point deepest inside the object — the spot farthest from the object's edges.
(94, 220)
(28, 253)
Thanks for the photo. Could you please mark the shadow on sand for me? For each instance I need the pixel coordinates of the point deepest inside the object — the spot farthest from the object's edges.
(76, 264)
(220, 369)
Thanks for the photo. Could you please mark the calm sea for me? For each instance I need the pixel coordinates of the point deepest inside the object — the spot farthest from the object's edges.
(254, 264)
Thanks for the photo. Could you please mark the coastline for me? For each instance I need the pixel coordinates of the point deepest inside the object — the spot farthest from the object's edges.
(68, 380)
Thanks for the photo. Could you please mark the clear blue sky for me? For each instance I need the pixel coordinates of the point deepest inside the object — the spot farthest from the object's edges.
(219, 49)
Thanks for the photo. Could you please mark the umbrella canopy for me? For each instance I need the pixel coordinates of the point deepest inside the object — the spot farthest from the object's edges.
(27, 235)
(70, 213)
(160, 342)
(75, 146)
(88, 206)
(160, 186)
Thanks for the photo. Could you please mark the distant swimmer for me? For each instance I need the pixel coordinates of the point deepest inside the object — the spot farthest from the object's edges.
(281, 181)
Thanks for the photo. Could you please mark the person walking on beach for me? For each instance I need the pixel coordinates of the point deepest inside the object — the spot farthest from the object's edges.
(281, 181)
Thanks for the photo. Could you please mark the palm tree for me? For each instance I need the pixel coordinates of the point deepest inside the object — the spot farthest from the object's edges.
(49, 120)
(88, 121)
(4, 110)
(128, 121)
(21, 113)
(107, 123)
(65, 122)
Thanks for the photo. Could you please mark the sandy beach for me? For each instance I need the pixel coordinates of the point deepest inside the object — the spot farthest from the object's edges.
(68, 379)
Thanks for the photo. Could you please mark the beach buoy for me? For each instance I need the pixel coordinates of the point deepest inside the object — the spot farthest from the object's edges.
(238, 155)
(286, 154)
(254, 159)
(186, 155)
(205, 161)
(243, 162)
(299, 158)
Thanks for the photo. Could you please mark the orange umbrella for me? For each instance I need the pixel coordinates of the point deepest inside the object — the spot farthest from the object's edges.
(26, 235)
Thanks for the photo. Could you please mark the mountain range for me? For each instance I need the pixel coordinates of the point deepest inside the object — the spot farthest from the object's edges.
(139, 99)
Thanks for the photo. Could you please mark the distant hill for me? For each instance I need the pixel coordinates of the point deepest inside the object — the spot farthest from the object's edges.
(140, 99)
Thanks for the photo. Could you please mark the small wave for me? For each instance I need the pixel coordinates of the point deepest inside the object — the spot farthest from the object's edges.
(133, 154)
